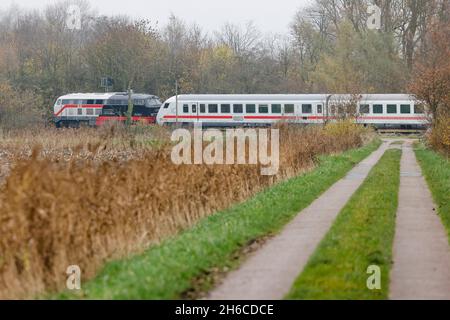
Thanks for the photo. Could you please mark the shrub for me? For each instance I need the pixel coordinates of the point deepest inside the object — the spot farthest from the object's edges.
(439, 136)
(18, 109)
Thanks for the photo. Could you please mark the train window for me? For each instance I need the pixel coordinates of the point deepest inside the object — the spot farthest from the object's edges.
(364, 109)
(250, 108)
(90, 112)
(377, 108)
(276, 108)
(419, 109)
(66, 102)
(107, 112)
(58, 102)
(306, 108)
(185, 108)
(263, 108)
(90, 102)
(153, 103)
(289, 108)
(118, 102)
(166, 105)
(202, 108)
(80, 112)
(98, 112)
(391, 108)
(238, 108)
(405, 108)
(194, 108)
(213, 108)
(225, 108)
(139, 102)
(319, 108)
(99, 102)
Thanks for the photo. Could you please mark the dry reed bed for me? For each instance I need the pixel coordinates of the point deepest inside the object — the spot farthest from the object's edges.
(54, 214)
(109, 143)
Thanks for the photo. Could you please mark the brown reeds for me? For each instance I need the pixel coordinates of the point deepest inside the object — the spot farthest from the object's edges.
(84, 212)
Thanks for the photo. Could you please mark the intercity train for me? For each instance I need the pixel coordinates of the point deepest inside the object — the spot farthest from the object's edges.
(388, 111)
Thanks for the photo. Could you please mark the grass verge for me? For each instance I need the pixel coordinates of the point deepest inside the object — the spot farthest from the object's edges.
(168, 270)
(436, 169)
(361, 236)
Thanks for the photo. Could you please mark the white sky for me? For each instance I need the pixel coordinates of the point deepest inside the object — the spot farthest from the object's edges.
(272, 16)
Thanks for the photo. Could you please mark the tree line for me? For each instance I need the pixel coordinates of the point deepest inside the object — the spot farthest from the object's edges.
(328, 48)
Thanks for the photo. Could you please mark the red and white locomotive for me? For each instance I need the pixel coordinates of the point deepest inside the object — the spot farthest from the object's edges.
(94, 109)
(378, 110)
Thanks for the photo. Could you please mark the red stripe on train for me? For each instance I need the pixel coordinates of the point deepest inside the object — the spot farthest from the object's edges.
(293, 118)
(102, 119)
(393, 118)
(198, 117)
(76, 106)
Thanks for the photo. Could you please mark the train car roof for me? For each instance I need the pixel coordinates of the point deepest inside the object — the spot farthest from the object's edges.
(289, 97)
(106, 95)
(88, 95)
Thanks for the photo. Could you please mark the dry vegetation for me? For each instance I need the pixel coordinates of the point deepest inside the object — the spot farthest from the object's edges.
(116, 193)
(431, 84)
(439, 136)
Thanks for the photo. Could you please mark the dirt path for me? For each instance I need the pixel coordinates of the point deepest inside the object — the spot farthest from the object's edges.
(421, 254)
(270, 272)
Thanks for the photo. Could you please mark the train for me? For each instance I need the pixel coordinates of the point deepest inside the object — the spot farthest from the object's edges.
(382, 111)
(95, 109)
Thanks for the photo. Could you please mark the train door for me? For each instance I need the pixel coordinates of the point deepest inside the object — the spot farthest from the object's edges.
(325, 112)
(298, 113)
(319, 113)
(195, 111)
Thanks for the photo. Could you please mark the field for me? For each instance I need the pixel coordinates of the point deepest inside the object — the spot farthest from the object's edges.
(88, 196)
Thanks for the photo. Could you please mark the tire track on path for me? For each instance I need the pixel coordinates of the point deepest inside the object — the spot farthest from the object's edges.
(421, 255)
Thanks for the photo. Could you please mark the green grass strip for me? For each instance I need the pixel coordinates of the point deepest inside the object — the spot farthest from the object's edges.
(436, 169)
(361, 236)
(167, 270)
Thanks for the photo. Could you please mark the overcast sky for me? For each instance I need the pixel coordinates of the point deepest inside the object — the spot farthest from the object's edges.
(269, 15)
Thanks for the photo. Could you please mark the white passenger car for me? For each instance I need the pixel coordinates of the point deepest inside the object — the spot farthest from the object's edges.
(379, 110)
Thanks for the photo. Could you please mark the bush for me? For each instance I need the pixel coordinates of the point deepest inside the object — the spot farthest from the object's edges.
(439, 136)
(19, 109)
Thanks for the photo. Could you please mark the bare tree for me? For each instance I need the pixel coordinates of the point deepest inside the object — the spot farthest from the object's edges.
(242, 40)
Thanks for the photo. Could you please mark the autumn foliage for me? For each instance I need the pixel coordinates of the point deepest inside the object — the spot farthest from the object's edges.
(431, 84)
